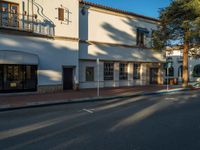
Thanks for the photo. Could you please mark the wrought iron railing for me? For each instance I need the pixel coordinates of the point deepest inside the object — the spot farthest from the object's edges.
(26, 23)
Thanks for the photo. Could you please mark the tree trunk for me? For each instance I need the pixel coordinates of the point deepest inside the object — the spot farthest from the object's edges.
(185, 60)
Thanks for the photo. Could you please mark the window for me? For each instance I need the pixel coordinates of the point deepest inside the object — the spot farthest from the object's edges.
(108, 71)
(61, 14)
(141, 33)
(89, 73)
(123, 75)
(9, 14)
(180, 71)
(18, 78)
(170, 72)
(196, 71)
(136, 71)
(140, 38)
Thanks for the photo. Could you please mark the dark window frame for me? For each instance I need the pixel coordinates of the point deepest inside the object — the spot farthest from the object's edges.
(12, 17)
(170, 72)
(180, 71)
(140, 38)
(136, 71)
(89, 77)
(196, 71)
(18, 82)
(123, 71)
(108, 71)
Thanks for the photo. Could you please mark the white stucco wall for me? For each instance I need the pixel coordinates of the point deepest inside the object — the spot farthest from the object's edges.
(115, 53)
(100, 26)
(47, 14)
(53, 55)
(109, 28)
(116, 82)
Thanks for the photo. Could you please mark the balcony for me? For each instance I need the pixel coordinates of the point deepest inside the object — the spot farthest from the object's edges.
(27, 23)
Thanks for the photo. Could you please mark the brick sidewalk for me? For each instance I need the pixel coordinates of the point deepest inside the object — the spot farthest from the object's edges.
(20, 100)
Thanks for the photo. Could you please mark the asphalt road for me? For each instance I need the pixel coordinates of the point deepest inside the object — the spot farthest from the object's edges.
(163, 122)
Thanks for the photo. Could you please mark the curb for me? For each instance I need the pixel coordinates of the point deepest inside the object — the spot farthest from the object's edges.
(89, 99)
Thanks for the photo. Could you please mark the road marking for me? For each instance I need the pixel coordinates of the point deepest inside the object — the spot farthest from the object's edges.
(170, 98)
(88, 110)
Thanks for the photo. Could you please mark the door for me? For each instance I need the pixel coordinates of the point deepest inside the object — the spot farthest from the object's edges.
(67, 78)
(1, 77)
(153, 75)
(9, 14)
(4, 13)
(14, 15)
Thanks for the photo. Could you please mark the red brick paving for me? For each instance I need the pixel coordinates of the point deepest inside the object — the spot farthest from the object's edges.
(16, 100)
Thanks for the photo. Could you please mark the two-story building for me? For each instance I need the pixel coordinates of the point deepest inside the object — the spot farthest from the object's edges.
(38, 45)
(48, 46)
(122, 42)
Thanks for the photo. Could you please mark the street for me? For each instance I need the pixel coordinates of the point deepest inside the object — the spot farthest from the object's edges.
(162, 122)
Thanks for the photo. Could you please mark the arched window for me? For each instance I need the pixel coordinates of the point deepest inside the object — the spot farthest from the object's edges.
(196, 71)
(180, 71)
(170, 72)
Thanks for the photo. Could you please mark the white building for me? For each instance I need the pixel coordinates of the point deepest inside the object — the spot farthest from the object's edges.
(48, 46)
(176, 70)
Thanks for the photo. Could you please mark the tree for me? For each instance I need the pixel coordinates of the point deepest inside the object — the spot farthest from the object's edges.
(179, 25)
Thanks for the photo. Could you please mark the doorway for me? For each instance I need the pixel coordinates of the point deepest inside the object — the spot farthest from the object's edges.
(68, 78)
(153, 75)
(1, 77)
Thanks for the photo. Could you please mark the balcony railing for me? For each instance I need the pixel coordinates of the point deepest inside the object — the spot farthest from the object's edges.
(26, 23)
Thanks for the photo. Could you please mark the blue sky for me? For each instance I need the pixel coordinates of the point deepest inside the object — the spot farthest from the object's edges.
(145, 7)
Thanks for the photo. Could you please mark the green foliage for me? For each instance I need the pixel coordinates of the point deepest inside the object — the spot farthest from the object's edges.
(181, 17)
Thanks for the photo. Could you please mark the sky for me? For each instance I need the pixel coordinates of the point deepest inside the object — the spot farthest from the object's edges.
(144, 7)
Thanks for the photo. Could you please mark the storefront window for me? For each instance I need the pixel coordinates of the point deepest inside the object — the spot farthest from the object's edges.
(18, 78)
(108, 71)
(136, 71)
(123, 75)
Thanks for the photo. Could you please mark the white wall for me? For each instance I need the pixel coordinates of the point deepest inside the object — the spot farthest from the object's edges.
(109, 28)
(69, 29)
(115, 29)
(47, 13)
(115, 82)
(53, 54)
(117, 53)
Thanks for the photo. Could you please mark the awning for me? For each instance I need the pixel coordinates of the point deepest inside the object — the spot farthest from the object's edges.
(143, 30)
(18, 57)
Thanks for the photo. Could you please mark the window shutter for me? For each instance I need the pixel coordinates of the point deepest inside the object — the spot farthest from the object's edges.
(61, 14)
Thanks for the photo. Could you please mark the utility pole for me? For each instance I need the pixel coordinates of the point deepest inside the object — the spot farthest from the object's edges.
(98, 84)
